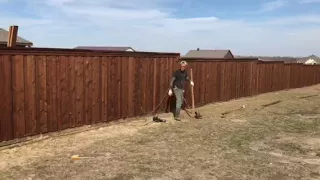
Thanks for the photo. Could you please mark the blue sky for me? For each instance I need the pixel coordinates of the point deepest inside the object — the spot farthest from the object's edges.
(247, 27)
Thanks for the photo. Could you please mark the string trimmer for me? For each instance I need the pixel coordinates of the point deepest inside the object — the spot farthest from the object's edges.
(197, 114)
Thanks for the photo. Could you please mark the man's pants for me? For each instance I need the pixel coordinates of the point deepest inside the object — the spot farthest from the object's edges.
(179, 96)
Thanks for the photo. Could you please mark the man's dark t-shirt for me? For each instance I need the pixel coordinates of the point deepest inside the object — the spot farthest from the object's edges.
(178, 79)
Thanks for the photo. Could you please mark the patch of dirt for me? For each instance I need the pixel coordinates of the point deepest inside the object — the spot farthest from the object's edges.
(238, 120)
(280, 141)
(312, 143)
(53, 146)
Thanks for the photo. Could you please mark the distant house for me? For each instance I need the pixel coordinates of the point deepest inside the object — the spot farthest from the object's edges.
(272, 58)
(311, 62)
(105, 48)
(313, 59)
(286, 59)
(214, 54)
(4, 35)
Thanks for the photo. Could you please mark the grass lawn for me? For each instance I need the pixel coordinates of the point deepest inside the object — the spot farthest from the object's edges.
(258, 142)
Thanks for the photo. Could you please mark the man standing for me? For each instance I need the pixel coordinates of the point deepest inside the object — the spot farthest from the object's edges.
(177, 85)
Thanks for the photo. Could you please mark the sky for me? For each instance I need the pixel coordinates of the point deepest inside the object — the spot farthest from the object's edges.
(246, 27)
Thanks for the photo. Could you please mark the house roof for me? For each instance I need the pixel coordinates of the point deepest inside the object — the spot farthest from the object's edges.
(218, 54)
(104, 48)
(4, 34)
(311, 61)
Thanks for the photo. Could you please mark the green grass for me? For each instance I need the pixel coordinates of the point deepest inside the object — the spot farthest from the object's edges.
(292, 147)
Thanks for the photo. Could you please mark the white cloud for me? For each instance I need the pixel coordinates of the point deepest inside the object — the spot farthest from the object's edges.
(154, 27)
(309, 1)
(295, 20)
(273, 5)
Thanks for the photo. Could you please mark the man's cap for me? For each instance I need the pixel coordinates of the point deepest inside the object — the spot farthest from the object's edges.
(183, 63)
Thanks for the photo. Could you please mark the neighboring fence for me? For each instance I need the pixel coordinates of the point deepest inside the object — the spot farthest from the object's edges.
(218, 80)
(47, 90)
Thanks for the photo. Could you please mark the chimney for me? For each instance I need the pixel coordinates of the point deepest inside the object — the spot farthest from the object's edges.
(198, 49)
(12, 37)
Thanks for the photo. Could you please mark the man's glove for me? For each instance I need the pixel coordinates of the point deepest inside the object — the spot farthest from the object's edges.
(170, 92)
(191, 83)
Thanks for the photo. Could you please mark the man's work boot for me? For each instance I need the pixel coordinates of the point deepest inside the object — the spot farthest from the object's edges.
(177, 115)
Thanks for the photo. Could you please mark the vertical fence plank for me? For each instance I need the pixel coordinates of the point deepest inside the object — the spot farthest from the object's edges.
(259, 79)
(154, 85)
(62, 84)
(262, 78)
(234, 86)
(30, 95)
(162, 79)
(96, 90)
(226, 80)
(131, 87)
(150, 83)
(138, 88)
(104, 89)
(170, 101)
(208, 83)
(125, 87)
(208, 79)
(52, 93)
(59, 95)
(242, 70)
(229, 72)
(202, 85)
(71, 91)
(245, 75)
(18, 96)
(253, 78)
(79, 90)
(222, 81)
(167, 75)
(247, 79)
(119, 87)
(113, 86)
(215, 86)
(144, 82)
(218, 82)
(273, 80)
(197, 87)
(287, 70)
(6, 111)
(88, 90)
(42, 93)
(238, 80)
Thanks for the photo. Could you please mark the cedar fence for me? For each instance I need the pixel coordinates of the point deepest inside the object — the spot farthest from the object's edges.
(48, 90)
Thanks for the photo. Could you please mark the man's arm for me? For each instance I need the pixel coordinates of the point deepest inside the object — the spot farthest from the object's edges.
(172, 80)
(187, 77)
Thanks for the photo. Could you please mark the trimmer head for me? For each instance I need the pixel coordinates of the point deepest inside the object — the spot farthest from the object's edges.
(198, 115)
(157, 119)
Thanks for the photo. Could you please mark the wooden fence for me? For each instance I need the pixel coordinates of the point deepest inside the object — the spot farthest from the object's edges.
(47, 90)
(224, 80)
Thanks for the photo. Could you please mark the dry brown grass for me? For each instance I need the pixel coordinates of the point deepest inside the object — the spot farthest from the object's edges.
(277, 142)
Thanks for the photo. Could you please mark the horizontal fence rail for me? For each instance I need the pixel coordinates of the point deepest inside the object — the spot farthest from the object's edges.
(42, 92)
